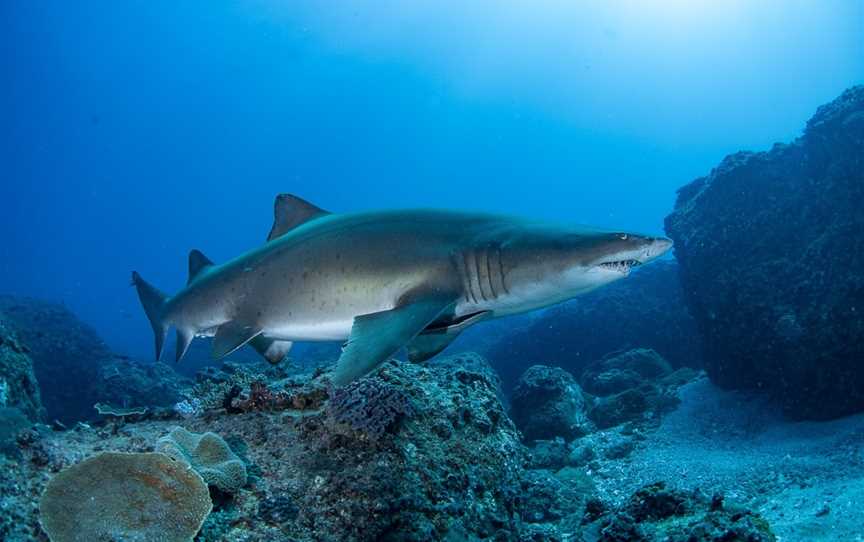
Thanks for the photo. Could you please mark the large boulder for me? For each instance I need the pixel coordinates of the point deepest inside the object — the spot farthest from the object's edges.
(18, 387)
(547, 403)
(771, 247)
(645, 310)
(411, 453)
(75, 369)
(67, 355)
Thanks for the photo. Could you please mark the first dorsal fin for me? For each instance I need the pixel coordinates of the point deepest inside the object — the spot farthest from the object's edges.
(198, 262)
(289, 211)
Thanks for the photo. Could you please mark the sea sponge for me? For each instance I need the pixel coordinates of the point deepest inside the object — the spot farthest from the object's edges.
(209, 455)
(369, 407)
(121, 496)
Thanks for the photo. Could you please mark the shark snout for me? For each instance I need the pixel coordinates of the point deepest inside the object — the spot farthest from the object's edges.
(657, 246)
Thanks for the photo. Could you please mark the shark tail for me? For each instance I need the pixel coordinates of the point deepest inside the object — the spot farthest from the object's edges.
(153, 302)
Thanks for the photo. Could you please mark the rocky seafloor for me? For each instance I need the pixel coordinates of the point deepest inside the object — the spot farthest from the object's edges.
(412, 453)
(430, 453)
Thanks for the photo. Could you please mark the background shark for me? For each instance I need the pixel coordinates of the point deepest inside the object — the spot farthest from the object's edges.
(384, 280)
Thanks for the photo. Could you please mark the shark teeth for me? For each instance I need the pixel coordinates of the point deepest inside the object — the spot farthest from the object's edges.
(622, 266)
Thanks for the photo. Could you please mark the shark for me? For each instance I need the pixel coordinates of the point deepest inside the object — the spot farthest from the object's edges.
(385, 280)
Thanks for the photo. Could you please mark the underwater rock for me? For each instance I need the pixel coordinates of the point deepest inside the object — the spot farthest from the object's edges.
(18, 386)
(120, 496)
(621, 371)
(138, 384)
(209, 455)
(629, 405)
(67, 356)
(450, 466)
(770, 248)
(547, 403)
(544, 498)
(633, 386)
(646, 310)
(12, 422)
(656, 512)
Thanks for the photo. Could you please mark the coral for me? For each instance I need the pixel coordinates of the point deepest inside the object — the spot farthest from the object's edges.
(369, 408)
(119, 412)
(645, 310)
(547, 403)
(770, 244)
(120, 496)
(209, 455)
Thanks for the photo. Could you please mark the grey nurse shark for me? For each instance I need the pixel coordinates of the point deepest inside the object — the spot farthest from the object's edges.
(381, 281)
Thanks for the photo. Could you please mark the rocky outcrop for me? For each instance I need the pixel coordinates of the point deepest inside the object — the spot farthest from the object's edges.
(656, 512)
(645, 310)
(18, 386)
(67, 355)
(632, 386)
(425, 453)
(771, 247)
(75, 369)
(547, 403)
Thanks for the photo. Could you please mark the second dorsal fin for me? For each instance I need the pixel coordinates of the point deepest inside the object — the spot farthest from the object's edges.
(198, 262)
(289, 211)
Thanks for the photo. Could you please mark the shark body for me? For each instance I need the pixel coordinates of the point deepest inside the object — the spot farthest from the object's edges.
(381, 281)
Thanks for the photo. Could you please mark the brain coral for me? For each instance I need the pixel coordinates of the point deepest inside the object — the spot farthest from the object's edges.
(121, 496)
(209, 455)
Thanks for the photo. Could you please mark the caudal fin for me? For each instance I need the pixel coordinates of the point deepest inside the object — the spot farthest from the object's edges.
(153, 302)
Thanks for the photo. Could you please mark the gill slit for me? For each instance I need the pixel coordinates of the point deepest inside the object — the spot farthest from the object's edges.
(467, 278)
(477, 255)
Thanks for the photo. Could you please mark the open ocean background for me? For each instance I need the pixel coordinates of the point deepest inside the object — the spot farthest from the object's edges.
(131, 132)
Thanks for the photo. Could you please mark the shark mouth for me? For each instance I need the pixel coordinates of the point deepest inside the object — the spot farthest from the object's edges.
(621, 266)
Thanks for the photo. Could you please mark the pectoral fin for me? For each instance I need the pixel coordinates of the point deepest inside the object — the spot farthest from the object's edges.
(433, 340)
(377, 336)
(270, 349)
(232, 335)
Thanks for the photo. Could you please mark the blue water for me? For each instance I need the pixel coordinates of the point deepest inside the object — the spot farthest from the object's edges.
(131, 132)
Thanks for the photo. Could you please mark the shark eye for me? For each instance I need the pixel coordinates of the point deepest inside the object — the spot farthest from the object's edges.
(623, 236)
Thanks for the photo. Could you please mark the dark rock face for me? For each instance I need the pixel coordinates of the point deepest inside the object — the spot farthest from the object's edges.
(75, 369)
(67, 355)
(547, 403)
(771, 247)
(644, 310)
(18, 386)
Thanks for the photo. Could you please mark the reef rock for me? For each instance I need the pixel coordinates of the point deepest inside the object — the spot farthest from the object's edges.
(67, 356)
(547, 403)
(424, 453)
(771, 247)
(632, 386)
(655, 512)
(646, 310)
(18, 386)
(75, 369)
